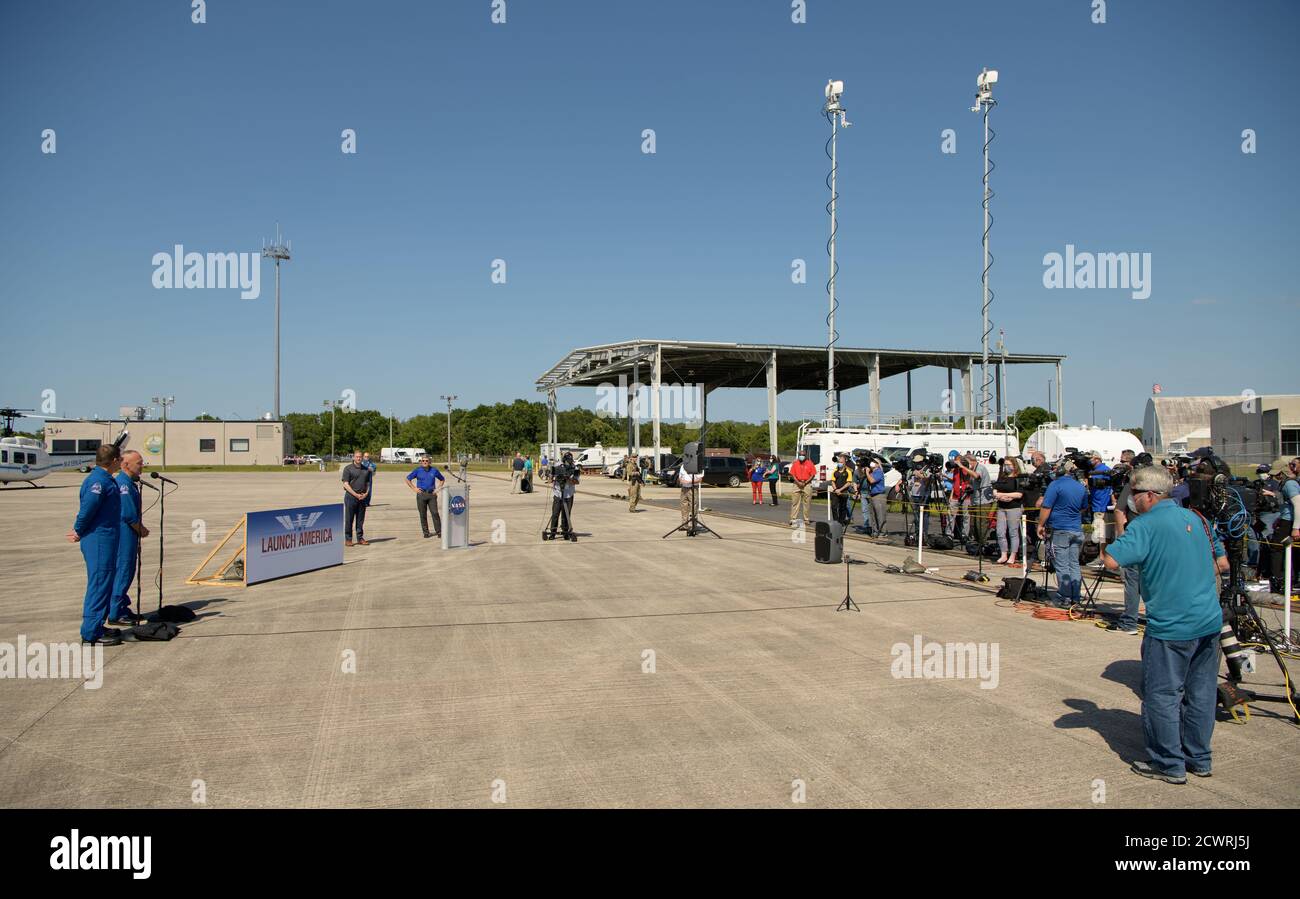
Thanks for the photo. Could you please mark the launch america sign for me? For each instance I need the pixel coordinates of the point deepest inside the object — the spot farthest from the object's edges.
(282, 542)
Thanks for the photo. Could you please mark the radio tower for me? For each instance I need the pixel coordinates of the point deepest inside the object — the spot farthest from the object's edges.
(984, 102)
(277, 251)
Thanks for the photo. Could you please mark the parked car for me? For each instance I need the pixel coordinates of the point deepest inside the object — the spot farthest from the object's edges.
(311, 459)
(293, 460)
(718, 471)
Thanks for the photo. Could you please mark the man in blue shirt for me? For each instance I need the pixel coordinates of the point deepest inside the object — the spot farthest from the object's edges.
(1062, 511)
(1180, 558)
(128, 540)
(1287, 525)
(95, 529)
(423, 482)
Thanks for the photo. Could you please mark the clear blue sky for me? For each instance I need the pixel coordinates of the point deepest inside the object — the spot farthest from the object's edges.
(523, 142)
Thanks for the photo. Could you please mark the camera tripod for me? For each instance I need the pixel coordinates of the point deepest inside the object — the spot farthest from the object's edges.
(692, 525)
(565, 524)
(933, 488)
(1237, 606)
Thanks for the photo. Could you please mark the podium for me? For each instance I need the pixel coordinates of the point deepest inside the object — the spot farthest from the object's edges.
(453, 509)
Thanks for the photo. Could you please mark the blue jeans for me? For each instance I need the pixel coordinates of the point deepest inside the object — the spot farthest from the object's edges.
(1132, 597)
(1179, 691)
(1065, 555)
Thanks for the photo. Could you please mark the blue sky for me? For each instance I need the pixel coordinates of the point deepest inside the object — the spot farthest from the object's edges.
(523, 141)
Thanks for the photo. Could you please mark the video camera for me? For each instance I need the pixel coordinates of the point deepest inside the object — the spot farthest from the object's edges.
(918, 460)
(565, 471)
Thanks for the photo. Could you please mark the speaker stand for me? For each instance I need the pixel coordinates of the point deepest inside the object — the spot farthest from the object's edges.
(848, 605)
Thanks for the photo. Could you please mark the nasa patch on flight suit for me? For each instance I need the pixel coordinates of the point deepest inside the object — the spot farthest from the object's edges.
(96, 488)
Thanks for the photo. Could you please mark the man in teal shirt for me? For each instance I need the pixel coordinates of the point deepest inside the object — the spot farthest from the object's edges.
(1180, 558)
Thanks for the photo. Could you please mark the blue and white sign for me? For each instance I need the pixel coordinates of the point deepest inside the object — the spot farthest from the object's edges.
(282, 542)
(453, 505)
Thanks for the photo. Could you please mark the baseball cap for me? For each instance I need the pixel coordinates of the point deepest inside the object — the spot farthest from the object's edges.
(1261, 469)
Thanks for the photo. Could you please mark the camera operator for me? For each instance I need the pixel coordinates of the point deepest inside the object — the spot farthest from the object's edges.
(1062, 513)
(1180, 558)
(564, 484)
(1287, 525)
(1126, 512)
(877, 498)
(1099, 497)
(1269, 489)
(1181, 491)
(980, 482)
(959, 500)
(842, 489)
(1038, 473)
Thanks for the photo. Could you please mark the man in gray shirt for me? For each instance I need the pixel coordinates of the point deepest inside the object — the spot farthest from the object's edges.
(356, 489)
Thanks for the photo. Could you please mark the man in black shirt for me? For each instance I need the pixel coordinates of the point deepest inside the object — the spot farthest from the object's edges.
(356, 488)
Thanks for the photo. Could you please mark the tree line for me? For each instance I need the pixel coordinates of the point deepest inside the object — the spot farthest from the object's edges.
(500, 429)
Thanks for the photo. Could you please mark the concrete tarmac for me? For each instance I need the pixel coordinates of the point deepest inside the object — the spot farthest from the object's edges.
(621, 671)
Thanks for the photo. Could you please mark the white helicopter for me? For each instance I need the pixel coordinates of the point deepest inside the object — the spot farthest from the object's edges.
(25, 459)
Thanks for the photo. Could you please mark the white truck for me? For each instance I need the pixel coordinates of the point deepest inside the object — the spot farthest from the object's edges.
(401, 454)
(894, 442)
(597, 457)
(1054, 441)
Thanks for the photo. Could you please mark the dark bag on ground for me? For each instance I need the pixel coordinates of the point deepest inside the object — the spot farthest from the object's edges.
(151, 631)
(940, 541)
(526, 485)
(1023, 589)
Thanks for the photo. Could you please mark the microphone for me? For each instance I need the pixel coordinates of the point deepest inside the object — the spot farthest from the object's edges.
(157, 477)
(147, 484)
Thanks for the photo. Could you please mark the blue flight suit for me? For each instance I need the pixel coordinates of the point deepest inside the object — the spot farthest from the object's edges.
(373, 468)
(97, 524)
(128, 547)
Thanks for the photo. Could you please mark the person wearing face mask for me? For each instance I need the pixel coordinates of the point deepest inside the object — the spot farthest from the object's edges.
(802, 472)
(1287, 524)
(1010, 501)
(877, 498)
(841, 490)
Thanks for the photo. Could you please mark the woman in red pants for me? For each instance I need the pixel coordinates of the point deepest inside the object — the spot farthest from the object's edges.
(756, 481)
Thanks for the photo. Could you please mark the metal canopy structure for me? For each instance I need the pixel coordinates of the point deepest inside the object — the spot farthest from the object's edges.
(777, 367)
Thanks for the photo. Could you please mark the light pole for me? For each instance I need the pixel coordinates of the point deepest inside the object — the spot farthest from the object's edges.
(450, 399)
(983, 103)
(836, 115)
(279, 251)
(390, 429)
(1049, 396)
(164, 401)
(332, 405)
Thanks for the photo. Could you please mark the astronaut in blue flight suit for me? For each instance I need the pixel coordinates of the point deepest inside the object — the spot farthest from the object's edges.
(96, 529)
(128, 539)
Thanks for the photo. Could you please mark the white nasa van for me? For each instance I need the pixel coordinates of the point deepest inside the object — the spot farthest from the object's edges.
(1054, 441)
(894, 442)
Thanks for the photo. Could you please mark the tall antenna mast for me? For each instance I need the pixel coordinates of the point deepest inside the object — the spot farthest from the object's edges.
(277, 251)
(984, 102)
(836, 115)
